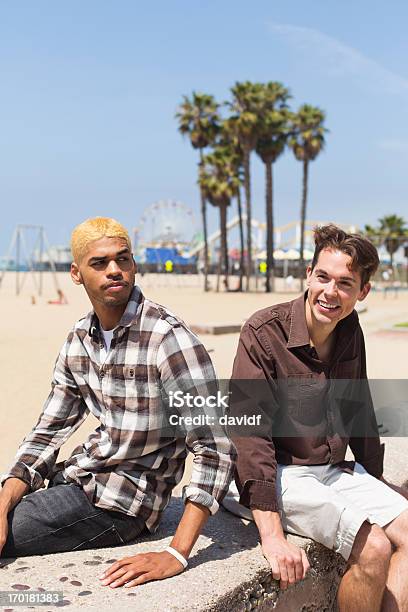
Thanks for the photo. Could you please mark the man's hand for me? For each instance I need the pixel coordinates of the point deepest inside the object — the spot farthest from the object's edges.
(3, 530)
(132, 571)
(11, 492)
(141, 568)
(289, 563)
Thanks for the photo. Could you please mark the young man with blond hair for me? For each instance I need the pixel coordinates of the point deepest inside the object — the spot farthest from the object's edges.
(302, 365)
(118, 363)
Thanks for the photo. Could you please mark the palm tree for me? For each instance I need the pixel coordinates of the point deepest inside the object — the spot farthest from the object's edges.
(391, 233)
(306, 141)
(235, 154)
(244, 123)
(270, 145)
(199, 119)
(220, 184)
(241, 234)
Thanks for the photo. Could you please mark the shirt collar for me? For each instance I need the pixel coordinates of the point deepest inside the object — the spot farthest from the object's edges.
(299, 334)
(132, 312)
(133, 308)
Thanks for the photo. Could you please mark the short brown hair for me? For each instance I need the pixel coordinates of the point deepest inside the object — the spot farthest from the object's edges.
(93, 229)
(364, 256)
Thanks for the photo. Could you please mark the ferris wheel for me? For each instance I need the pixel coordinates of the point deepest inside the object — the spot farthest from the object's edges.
(166, 222)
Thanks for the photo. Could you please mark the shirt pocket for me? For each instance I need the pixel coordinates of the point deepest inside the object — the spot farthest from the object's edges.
(136, 403)
(131, 389)
(306, 395)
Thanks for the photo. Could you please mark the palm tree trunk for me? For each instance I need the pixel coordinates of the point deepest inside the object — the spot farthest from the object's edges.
(241, 240)
(224, 245)
(303, 220)
(205, 231)
(270, 264)
(247, 183)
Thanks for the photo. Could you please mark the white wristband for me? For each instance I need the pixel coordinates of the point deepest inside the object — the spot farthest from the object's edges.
(177, 555)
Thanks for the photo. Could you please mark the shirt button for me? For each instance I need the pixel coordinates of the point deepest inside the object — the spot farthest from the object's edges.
(131, 372)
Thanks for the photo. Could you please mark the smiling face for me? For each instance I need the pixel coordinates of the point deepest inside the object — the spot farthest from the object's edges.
(107, 271)
(334, 289)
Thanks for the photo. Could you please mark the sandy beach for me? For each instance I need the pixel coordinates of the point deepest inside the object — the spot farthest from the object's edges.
(32, 334)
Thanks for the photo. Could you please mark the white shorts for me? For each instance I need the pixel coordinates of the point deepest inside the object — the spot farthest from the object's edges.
(328, 504)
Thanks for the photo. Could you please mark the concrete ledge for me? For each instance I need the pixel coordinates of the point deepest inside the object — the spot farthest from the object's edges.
(227, 572)
(216, 329)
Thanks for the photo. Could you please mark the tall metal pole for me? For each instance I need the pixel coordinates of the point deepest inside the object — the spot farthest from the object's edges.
(8, 256)
(406, 263)
(18, 260)
(51, 260)
(41, 249)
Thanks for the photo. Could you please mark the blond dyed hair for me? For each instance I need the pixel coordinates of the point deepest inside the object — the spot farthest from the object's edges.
(94, 229)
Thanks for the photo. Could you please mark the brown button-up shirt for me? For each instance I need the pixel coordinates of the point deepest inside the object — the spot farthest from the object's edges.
(275, 353)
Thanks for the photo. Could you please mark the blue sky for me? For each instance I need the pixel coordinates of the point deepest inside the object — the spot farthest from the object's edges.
(89, 91)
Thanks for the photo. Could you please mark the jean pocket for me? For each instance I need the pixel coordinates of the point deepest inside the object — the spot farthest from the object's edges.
(107, 538)
(128, 527)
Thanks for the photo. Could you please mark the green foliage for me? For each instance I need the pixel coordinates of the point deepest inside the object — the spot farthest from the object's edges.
(307, 132)
(246, 108)
(229, 144)
(391, 232)
(274, 122)
(218, 176)
(198, 117)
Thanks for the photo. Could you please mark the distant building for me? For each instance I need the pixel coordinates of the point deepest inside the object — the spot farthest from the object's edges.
(154, 259)
(60, 255)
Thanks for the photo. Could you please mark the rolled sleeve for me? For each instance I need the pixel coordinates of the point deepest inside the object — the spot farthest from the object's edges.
(25, 473)
(199, 496)
(213, 470)
(259, 494)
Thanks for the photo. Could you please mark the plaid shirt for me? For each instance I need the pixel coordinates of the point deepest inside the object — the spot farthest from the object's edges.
(129, 463)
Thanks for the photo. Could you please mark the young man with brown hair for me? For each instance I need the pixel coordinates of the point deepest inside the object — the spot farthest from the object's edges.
(292, 474)
(118, 363)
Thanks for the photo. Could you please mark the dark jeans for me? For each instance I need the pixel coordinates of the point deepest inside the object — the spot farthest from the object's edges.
(61, 519)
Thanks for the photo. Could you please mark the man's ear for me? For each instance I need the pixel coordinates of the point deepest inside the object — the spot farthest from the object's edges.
(308, 274)
(364, 292)
(76, 274)
(134, 264)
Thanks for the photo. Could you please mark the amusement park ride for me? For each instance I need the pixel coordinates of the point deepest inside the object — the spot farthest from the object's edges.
(166, 233)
